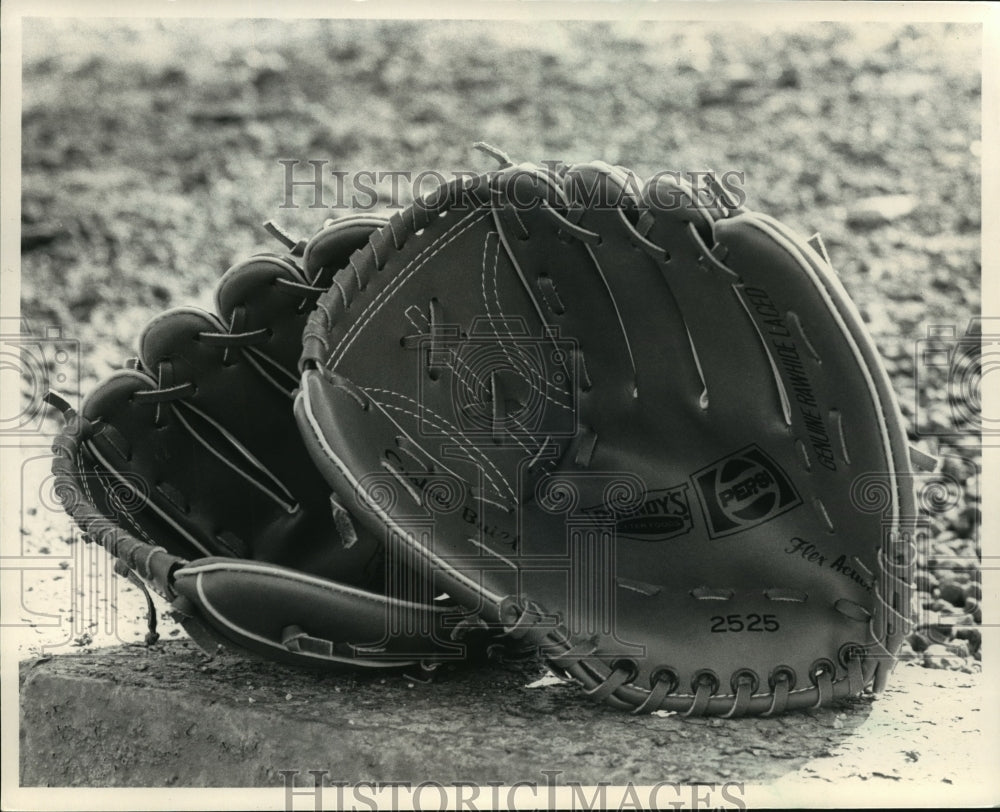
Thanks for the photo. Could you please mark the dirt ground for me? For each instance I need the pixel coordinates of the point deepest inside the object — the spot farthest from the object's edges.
(151, 155)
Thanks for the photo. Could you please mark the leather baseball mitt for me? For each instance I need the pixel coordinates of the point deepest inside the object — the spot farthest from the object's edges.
(639, 426)
(189, 469)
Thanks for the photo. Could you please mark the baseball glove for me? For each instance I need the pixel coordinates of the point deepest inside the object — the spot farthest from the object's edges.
(637, 425)
(189, 469)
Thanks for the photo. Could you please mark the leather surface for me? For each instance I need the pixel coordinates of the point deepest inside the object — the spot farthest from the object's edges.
(348, 625)
(221, 470)
(195, 452)
(721, 493)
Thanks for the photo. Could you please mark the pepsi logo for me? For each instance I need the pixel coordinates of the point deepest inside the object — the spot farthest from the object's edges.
(743, 490)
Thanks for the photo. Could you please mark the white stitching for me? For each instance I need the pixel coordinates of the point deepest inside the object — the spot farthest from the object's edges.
(452, 354)
(456, 360)
(409, 317)
(445, 427)
(460, 577)
(386, 293)
(521, 426)
(471, 446)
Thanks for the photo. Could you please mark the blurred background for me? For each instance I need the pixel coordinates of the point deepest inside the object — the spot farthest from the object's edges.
(152, 150)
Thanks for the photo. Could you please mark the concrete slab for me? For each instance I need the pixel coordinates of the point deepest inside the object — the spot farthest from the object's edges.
(170, 716)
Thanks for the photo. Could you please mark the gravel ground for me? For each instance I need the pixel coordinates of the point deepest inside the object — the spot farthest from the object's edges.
(150, 156)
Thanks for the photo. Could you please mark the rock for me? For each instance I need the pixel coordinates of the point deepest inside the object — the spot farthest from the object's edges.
(39, 236)
(717, 95)
(951, 562)
(951, 592)
(944, 663)
(974, 590)
(966, 521)
(789, 77)
(917, 641)
(872, 212)
(936, 627)
(925, 581)
(956, 521)
(957, 468)
(739, 75)
(896, 85)
(972, 635)
(949, 544)
(959, 647)
(730, 87)
(939, 656)
(965, 619)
